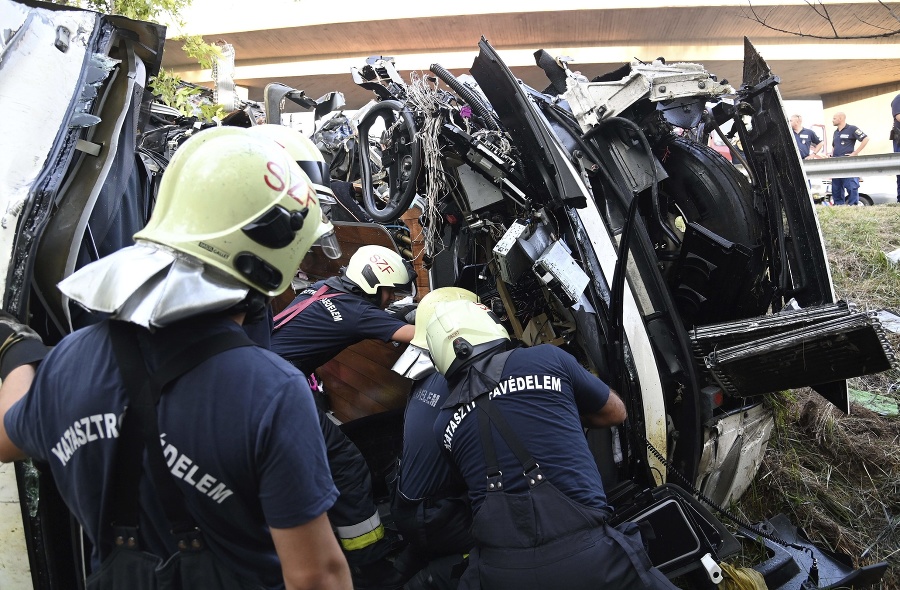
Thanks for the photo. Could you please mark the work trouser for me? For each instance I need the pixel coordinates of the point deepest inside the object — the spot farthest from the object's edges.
(543, 539)
(839, 185)
(354, 516)
(897, 150)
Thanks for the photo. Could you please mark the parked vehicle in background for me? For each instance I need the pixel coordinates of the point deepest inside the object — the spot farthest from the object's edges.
(874, 190)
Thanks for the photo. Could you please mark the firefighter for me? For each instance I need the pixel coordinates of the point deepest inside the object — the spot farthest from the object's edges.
(320, 323)
(512, 425)
(233, 219)
(430, 506)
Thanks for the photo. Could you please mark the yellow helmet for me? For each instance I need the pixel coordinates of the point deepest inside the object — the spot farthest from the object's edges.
(426, 309)
(304, 152)
(237, 202)
(459, 331)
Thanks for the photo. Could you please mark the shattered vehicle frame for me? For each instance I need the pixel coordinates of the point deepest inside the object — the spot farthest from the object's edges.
(589, 214)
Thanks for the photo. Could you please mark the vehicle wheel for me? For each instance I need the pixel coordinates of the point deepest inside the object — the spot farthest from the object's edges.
(705, 189)
(865, 200)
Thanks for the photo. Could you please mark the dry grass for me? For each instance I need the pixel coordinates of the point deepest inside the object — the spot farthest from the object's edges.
(836, 475)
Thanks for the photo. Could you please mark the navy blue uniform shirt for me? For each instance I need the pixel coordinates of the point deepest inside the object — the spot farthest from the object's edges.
(541, 393)
(805, 138)
(895, 110)
(239, 432)
(844, 140)
(324, 329)
(424, 469)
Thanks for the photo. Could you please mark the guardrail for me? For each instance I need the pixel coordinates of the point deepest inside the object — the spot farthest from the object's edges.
(878, 164)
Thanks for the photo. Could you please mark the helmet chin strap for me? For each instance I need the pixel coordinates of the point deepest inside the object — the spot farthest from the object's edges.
(477, 354)
(343, 284)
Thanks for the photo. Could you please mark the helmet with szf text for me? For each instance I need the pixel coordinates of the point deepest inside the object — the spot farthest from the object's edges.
(372, 267)
(303, 151)
(236, 201)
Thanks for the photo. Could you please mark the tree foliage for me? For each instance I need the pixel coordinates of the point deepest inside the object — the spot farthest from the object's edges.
(166, 85)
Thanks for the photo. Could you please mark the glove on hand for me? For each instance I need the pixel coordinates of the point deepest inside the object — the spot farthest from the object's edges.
(19, 345)
(407, 312)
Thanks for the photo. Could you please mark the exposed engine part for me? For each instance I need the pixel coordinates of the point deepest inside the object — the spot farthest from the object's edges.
(481, 193)
(592, 102)
(559, 272)
(511, 261)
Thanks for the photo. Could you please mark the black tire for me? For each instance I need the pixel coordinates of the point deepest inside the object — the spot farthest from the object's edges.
(710, 191)
(705, 188)
(865, 200)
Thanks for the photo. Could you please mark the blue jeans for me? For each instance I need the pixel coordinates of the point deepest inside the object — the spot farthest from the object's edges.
(838, 185)
(897, 149)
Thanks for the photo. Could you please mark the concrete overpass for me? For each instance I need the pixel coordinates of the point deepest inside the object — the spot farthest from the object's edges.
(312, 45)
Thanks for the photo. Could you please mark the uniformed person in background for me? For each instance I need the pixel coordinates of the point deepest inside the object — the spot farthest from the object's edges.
(846, 190)
(808, 143)
(512, 425)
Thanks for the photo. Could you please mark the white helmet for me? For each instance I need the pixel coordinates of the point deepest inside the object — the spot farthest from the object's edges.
(459, 331)
(304, 152)
(372, 267)
(426, 309)
(236, 201)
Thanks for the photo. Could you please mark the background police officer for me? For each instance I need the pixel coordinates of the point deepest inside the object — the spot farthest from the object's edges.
(808, 143)
(846, 190)
(512, 424)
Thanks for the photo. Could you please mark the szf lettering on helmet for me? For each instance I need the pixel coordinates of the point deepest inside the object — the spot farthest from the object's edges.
(277, 172)
(382, 264)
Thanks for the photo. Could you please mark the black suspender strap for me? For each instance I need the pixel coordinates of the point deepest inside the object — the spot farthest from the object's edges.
(140, 427)
(490, 415)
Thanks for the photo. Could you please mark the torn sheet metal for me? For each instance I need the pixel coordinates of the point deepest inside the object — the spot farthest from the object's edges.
(33, 118)
(732, 453)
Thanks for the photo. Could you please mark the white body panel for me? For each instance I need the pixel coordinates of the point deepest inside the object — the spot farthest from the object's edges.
(33, 113)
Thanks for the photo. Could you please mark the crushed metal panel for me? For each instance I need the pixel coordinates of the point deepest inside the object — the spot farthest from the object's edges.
(788, 567)
(733, 452)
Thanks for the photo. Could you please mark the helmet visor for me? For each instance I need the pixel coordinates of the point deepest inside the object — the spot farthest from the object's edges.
(330, 245)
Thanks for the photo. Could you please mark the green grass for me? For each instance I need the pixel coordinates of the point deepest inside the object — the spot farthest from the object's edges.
(838, 476)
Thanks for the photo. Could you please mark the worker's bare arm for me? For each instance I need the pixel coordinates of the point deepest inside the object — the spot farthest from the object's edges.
(14, 388)
(611, 414)
(404, 334)
(311, 557)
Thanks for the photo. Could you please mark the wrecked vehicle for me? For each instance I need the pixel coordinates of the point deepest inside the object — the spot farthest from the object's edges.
(589, 214)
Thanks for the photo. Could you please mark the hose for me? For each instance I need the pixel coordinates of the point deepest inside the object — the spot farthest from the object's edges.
(468, 95)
